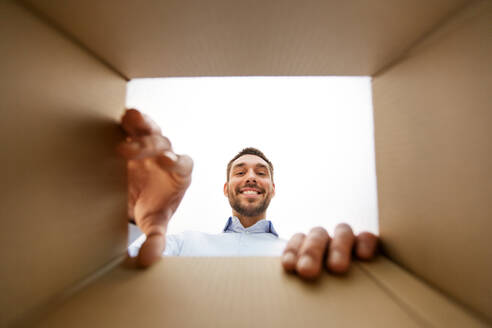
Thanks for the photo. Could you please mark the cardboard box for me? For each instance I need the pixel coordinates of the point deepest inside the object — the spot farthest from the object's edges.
(65, 65)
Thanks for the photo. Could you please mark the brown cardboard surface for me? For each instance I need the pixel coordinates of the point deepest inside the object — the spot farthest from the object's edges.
(160, 38)
(63, 195)
(228, 292)
(432, 134)
(63, 191)
(432, 308)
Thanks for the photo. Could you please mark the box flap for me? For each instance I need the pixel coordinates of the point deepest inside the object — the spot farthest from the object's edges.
(156, 38)
(63, 188)
(433, 158)
(239, 292)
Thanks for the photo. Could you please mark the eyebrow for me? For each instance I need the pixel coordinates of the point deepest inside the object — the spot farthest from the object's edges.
(262, 165)
(238, 165)
(259, 165)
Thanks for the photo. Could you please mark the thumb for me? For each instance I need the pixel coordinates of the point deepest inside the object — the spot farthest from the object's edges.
(151, 250)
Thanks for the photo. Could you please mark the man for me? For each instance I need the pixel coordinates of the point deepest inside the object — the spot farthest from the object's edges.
(158, 179)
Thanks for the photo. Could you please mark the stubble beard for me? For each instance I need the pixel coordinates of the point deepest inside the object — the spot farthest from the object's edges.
(261, 208)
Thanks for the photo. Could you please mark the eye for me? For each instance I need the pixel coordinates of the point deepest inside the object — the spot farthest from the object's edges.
(240, 173)
(262, 173)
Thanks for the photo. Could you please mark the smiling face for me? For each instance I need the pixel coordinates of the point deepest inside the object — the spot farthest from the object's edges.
(250, 187)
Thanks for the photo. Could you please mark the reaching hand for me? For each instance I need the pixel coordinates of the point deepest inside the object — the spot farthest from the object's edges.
(307, 255)
(157, 181)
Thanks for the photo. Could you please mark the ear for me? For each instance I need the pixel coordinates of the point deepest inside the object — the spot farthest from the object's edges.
(273, 191)
(226, 189)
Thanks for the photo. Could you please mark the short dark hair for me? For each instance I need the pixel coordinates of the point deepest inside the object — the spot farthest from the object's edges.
(250, 151)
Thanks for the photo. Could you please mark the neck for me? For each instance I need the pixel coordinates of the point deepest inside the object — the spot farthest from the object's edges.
(248, 221)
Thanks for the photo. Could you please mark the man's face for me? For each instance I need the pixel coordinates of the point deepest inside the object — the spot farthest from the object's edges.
(250, 187)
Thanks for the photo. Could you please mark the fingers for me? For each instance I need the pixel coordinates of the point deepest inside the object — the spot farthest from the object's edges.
(137, 124)
(306, 254)
(312, 252)
(340, 252)
(366, 245)
(180, 164)
(289, 256)
(145, 141)
(144, 146)
(159, 147)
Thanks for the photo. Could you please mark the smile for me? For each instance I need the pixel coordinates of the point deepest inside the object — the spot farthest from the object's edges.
(250, 191)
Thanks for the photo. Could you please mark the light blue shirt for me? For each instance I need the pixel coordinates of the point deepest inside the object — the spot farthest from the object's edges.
(260, 239)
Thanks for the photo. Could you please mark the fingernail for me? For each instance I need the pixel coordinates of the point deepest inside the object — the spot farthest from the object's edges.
(305, 262)
(172, 156)
(336, 257)
(289, 258)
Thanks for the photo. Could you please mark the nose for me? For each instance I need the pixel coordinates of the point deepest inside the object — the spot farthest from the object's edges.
(251, 176)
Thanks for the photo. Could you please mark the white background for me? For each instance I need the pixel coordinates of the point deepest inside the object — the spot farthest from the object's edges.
(317, 131)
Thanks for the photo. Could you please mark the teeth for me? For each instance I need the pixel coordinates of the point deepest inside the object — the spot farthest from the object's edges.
(250, 192)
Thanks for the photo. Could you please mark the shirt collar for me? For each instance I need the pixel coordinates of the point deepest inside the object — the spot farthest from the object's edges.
(263, 226)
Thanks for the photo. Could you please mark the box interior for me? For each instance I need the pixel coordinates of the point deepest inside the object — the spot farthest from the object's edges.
(66, 64)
